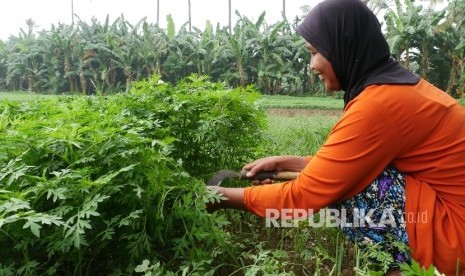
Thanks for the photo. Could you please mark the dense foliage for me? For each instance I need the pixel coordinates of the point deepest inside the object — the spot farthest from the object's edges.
(108, 57)
(90, 57)
(96, 185)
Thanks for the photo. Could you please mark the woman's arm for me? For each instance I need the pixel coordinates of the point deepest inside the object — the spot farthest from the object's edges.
(234, 198)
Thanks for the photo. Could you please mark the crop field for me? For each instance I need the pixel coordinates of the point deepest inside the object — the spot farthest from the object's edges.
(22, 96)
(308, 103)
(116, 185)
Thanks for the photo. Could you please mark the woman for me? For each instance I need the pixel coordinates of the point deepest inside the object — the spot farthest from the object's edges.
(399, 146)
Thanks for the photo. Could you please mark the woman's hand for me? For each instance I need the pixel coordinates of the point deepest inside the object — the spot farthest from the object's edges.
(274, 163)
(234, 197)
(263, 164)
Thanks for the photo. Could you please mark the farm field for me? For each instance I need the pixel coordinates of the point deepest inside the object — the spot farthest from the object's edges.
(290, 102)
(278, 105)
(23, 96)
(110, 179)
(83, 173)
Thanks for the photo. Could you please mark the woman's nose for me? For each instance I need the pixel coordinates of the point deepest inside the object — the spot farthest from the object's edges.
(311, 67)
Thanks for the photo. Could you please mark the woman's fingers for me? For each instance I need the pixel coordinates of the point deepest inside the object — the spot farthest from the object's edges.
(263, 182)
(263, 164)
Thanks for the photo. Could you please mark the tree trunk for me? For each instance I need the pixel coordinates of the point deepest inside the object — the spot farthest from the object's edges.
(159, 67)
(30, 84)
(230, 25)
(158, 12)
(82, 79)
(452, 78)
(407, 58)
(190, 19)
(240, 68)
(424, 63)
(128, 75)
(284, 9)
(72, 12)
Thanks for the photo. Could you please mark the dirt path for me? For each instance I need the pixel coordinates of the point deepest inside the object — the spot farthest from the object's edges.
(291, 112)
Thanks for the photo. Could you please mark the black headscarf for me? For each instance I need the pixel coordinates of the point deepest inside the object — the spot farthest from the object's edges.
(349, 36)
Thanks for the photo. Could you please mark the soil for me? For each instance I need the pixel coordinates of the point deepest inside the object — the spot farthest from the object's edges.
(292, 112)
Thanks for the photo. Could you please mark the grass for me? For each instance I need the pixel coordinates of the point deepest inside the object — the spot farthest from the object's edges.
(300, 135)
(266, 101)
(313, 102)
(311, 251)
(327, 103)
(23, 96)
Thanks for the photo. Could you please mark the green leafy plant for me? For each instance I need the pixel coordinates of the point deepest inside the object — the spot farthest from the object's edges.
(95, 185)
(415, 269)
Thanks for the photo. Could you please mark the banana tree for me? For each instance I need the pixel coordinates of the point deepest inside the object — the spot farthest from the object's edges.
(206, 46)
(124, 49)
(275, 56)
(157, 49)
(238, 48)
(456, 23)
(153, 48)
(57, 46)
(401, 26)
(234, 48)
(97, 60)
(24, 63)
(429, 38)
(378, 5)
(2, 66)
(196, 48)
(76, 68)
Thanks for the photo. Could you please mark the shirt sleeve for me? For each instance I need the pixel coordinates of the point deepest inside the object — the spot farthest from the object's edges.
(308, 158)
(358, 148)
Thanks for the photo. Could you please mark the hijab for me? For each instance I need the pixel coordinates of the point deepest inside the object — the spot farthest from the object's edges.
(348, 35)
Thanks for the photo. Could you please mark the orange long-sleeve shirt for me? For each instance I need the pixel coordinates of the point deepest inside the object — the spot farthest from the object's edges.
(418, 129)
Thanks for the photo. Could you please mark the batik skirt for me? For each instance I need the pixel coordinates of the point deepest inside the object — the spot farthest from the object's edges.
(376, 215)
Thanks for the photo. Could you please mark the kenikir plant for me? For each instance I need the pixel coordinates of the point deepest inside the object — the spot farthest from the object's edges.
(96, 185)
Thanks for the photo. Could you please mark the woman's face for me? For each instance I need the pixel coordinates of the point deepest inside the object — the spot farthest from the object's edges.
(323, 68)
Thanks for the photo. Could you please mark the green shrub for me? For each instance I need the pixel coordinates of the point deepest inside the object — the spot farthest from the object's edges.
(215, 128)
(94, 185)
